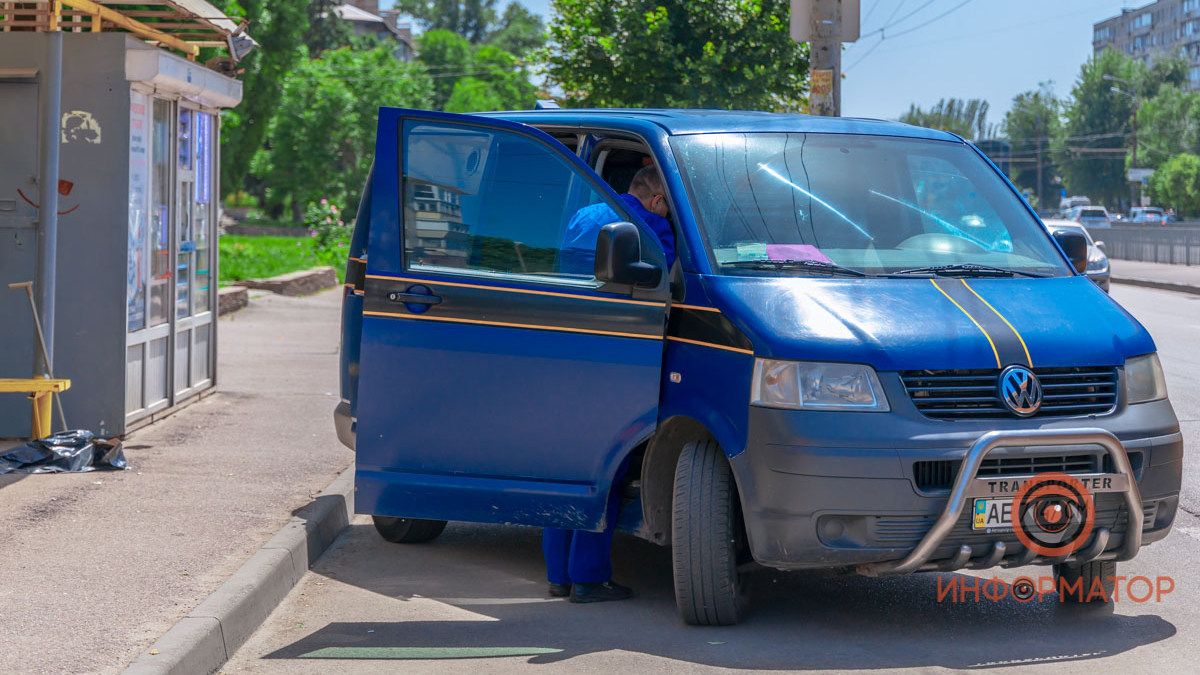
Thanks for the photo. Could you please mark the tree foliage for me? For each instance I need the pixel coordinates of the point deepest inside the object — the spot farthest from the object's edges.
(498, 82)
(519, 31)
(1097, 119)
(322, 139)
(1176, 183)
(470, 78)
(326, 30)
(1030, 125)
(1168, 124)
(473, 19)
(678, 53)
(965, 117)
(279, 27)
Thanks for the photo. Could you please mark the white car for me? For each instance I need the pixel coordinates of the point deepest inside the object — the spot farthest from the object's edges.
(1097, 265)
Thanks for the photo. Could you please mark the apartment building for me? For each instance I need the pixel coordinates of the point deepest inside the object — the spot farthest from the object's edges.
(1150, 31)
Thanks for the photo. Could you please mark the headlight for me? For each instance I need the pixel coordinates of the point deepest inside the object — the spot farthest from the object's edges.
(816, 386)
(1144, 379)
(1097, 261)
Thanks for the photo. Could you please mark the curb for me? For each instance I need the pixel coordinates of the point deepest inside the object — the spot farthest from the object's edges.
(300, 282)
(203, 641)
(1161, 285)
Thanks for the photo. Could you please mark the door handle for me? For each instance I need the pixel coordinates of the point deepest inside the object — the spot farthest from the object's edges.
(414, 298)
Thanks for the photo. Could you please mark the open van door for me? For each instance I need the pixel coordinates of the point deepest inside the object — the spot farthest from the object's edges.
(495, 385)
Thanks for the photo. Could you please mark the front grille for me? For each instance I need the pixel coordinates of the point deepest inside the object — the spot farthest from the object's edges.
(939, 474)
(907, 531)
(974, 394)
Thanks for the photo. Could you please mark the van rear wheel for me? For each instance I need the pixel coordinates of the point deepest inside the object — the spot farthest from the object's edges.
(705, 536)
(408, 530)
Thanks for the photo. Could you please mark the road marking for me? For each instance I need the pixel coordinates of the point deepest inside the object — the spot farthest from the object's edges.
(409, 653)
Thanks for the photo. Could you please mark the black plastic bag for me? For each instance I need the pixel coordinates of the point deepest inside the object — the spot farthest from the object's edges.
(65, 452)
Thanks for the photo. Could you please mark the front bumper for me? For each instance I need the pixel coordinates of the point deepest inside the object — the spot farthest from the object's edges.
(841, 489)
(1101, 279)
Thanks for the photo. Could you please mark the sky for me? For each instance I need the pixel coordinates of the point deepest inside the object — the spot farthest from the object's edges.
(989, 49)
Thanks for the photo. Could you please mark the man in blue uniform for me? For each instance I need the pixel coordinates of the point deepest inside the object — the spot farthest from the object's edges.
(646, 200)
(579, 563)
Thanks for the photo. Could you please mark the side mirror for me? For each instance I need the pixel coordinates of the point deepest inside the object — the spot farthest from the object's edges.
(1074, 244)
(1100, 245)
(619, 257)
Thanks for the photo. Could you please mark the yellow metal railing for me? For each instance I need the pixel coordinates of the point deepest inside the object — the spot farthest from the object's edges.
(40, 391)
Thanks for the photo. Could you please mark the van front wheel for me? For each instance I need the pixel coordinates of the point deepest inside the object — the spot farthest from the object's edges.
(705, 533)
(408, 530)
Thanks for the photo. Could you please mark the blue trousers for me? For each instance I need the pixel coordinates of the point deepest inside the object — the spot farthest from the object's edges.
(579, 556)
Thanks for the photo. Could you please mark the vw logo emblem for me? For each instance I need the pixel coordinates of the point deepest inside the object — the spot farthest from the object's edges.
(1020, 390)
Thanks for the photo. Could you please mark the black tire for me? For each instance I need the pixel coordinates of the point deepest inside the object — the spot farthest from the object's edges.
(408, 530)
(1068, 576)
(705, 537)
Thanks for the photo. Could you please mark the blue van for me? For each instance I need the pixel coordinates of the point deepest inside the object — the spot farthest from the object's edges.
(866, 346)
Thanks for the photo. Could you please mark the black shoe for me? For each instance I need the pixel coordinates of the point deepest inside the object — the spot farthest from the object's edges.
(600, 592)
(560, 590)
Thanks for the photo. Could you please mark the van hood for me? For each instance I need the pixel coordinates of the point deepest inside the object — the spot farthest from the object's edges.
(914, 324)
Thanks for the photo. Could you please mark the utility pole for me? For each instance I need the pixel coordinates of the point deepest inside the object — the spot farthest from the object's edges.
(1040, 130)
(50, 94)
(825, 57)
(825, 25)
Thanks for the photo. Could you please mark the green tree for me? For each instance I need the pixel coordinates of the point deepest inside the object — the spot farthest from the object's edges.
(498, 82)
(965, 117)
(322, 139)
(1168, 124)
(326, 30)
(447, 56)
(473, 19)
(1177, 184)
(678, 53)
(1090, 154)
(474, 79)
(519, 31)
(1030, 126)
(279, 27)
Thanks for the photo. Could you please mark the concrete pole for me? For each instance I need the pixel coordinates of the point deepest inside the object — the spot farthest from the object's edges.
(50, 95)
(825, 58)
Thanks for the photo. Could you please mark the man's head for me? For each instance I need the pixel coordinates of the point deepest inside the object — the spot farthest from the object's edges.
(647, 186)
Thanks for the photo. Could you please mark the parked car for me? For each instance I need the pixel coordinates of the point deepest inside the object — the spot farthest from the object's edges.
(1151, 215)
(1097, 261)
(1090, 216)
(1068, 203)
(865, 334)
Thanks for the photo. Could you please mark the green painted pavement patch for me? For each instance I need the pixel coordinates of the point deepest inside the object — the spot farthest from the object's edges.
(424, 652)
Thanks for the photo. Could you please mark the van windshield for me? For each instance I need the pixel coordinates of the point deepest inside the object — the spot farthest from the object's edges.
(804, 203)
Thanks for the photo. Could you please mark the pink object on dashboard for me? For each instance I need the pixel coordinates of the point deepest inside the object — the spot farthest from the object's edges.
(795, 252)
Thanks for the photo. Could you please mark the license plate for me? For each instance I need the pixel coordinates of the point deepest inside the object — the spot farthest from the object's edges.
(992, 514)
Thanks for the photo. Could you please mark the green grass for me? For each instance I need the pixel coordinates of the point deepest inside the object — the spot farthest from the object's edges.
(259, 257)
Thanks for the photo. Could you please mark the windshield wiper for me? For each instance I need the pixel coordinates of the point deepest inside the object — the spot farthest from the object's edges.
(966, 270)
(806, 265)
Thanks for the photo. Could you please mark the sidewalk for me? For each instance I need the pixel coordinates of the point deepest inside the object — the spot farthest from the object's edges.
(1182, 278)
(97, 566)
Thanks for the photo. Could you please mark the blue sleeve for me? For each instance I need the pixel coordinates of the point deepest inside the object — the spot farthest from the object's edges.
(578, 254)
(666, 236)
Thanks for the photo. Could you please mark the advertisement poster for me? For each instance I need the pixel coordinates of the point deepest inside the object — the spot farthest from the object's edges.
(139, 171)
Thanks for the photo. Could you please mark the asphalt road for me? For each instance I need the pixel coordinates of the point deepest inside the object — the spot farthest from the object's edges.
(367, 603)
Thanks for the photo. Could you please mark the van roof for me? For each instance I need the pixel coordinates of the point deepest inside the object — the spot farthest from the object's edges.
(687, 121)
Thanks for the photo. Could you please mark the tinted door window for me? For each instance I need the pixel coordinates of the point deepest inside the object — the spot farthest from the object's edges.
(490, 202)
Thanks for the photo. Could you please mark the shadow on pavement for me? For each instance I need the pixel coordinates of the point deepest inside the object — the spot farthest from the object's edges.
(802, 620)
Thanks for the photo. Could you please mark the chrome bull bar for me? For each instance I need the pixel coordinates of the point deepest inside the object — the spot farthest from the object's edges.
(966, 486)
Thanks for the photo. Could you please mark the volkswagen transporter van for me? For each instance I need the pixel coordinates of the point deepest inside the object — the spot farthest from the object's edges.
(866, 348)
